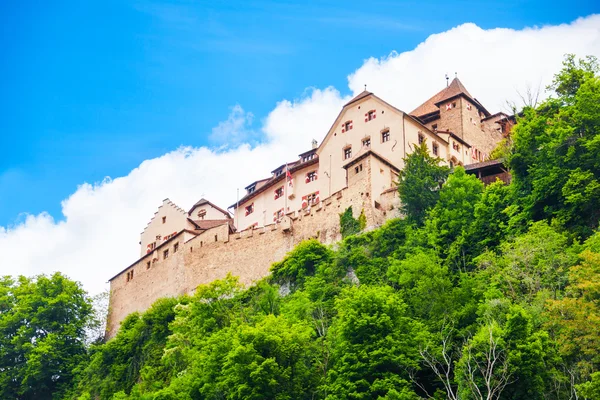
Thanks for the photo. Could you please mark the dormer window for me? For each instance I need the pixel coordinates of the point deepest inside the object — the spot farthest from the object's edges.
(279, 172)
(308, 157)
(347, 153)
(370, 115)
(250, 209)
(251, 189)
(346, 126)
(366, 142)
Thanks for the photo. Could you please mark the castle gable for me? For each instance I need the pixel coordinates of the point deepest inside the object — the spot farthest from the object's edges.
(354, 115)
(168, 220)
(205, 210)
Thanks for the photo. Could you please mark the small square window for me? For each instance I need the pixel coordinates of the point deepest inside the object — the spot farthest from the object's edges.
(250, 209)
(358, 168)
(311, 176)
(346, 126)
(435, 149)
(370, 115)
(148, 265)
(347, 153)
(385, 136)
(164, 220)
(175, 247)
(366, 142)
(278, 192)
(165, 254)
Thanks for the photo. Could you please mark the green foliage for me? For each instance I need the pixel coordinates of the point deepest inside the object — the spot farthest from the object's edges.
(42, 332)
(479, 293)
(374, 343)
(419, 183)
(554, 158)
(449, 223)
(350, 225)
(303, 261)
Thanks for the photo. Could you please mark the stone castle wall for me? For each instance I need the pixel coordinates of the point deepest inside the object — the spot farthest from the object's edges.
(248, 254)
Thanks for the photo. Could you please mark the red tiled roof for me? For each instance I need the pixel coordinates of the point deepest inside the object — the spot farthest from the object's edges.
(454, 89)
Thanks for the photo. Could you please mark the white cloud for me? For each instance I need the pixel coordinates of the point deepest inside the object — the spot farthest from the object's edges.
(235, 130)
(100, 233)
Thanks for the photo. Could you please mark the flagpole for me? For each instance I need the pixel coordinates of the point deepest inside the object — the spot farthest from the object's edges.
(285, 185)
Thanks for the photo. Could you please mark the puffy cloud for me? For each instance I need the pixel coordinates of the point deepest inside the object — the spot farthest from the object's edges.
(102, 222)
(236, 130)
(494, 65)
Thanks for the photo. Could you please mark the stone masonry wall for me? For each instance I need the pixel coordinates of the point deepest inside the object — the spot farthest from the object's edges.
(247, 254)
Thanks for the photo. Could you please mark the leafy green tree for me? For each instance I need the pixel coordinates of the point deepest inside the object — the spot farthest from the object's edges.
(134, 354)
(42, 332)
(420, 182)
(449, 223)
(529, 268)
(300, 263)
(491, 217)
(574, 319)
(573, 74)
(555, 152)
(374, 344)
(425, 286)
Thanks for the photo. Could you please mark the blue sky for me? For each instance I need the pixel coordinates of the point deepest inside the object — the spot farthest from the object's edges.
(92, 89)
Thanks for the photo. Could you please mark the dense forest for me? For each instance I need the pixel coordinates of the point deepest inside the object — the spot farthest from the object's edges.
(479, 292)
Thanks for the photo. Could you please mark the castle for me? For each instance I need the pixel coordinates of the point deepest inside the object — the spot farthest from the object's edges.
(356, 165)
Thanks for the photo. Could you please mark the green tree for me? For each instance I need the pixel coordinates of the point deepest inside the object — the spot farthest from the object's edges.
(555, 155)
(301, 262)
(420, 182)
(449, 224)
(374, 344)
(42, 332)
(574, 319)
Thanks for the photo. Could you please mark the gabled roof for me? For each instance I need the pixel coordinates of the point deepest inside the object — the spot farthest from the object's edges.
(359, 96)
(364, 153)
(202, 202)
(456, 88)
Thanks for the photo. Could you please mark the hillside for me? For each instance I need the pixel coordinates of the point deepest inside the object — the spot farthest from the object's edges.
(480, 292)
